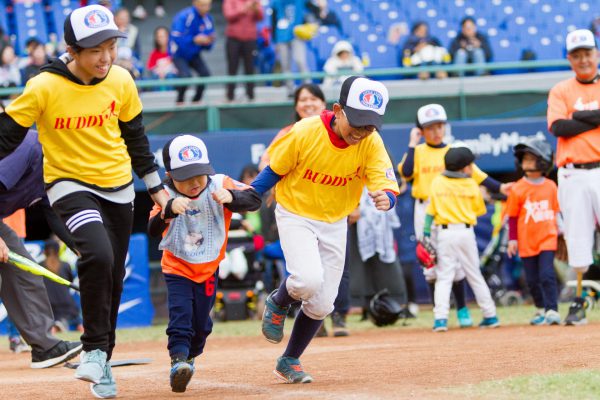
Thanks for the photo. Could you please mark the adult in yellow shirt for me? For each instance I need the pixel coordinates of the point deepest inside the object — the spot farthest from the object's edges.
(421, 164)
(320, 169)
(89, 117)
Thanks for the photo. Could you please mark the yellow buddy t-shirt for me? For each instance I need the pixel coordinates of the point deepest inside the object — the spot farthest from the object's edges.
(78, 125)
(429, 163)
(325, 182)
(455, 201)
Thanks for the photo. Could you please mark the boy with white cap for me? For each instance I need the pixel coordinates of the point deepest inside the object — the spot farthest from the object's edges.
(194, 226)
(574, 118)
(421, 164)
(320, 169)
(89, 117)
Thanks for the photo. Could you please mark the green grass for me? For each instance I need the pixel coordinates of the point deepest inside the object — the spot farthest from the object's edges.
(580, 385)
(516, 315)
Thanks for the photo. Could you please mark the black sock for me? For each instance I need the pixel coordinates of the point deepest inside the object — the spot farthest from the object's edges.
(304, 330)
(282, 298)
(458, 288)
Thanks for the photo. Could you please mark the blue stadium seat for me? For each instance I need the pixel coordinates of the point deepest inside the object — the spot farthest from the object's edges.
(4, 17)
(59, 9)
(30, 21)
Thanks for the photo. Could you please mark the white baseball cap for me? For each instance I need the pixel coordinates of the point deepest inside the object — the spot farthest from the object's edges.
(431, 114)
(580, 39)
(364, 101)
(90, 26)
(186, 156)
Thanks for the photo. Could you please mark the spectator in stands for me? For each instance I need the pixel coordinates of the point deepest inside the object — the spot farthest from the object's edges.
(470, 46)
(4, 39)
(286, 16)
(66, 311)
(10, 76)
(342, 59)
(241, 33)
(323, 15)
(128, 48)
(422, 49)
(37, 58)
(160, 65)
(139, 12)
(192, 32)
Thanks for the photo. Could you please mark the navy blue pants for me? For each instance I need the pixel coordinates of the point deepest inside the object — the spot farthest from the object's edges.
(189, 314)
(541, 279)
(184, 68)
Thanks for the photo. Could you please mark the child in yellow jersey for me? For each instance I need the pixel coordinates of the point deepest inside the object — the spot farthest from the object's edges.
(89, 117)
(194, 227)
(320, 169)
(455, 203)
(421, 164)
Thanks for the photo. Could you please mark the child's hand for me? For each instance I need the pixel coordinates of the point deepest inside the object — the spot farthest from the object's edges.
(180, 205)
(511, 250)
(381, 200)
(415, 137)
(222, 196)
(505, 188)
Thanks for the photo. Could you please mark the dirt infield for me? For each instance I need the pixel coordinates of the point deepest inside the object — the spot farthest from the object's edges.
(378, 364)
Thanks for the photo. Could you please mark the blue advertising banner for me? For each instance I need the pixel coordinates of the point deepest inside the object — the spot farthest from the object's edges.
(493, 140)
(136, 306)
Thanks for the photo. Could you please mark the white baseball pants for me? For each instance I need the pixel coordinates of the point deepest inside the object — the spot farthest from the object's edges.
(419, 223)
(579, 199)
(457, 251)
(314, 254)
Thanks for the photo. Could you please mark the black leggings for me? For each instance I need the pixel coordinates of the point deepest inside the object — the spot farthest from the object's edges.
(101, 230)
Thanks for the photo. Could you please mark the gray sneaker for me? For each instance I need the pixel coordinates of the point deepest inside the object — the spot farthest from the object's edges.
(290, 370)
(273, 319)
(91, 368)
(107, 388)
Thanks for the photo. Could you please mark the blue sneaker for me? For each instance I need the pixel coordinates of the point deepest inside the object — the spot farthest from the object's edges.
(491, 322)
(290, 370)
(273, 319)
(181, 374)
(107, 388)
(552, 317)
(464, 318)
(440, 325)
(91, 368)
(539, 318)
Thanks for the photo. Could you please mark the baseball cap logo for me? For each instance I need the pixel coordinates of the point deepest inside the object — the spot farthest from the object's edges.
(96, 19)
(371, 99)
(578, 39)
(190, 153)
(432, 112)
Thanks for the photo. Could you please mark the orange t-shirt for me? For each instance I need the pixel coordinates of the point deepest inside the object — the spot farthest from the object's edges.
(16, 221)
(535, 206)
(199, 273)
(564, 99)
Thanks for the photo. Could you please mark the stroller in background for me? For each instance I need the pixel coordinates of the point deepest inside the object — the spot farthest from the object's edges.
(491, 263)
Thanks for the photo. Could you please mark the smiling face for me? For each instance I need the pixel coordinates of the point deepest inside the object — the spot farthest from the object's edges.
(308, 105)
(351, 135)
(94, 62)
(191, 187)
(584, 63)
